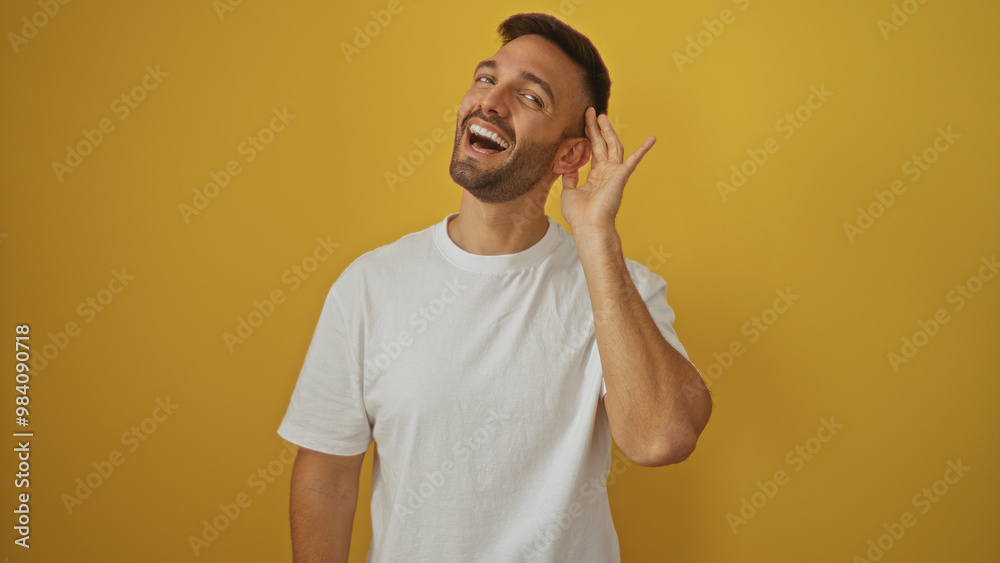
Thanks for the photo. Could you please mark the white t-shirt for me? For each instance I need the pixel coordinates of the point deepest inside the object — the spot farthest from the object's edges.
(479, 380)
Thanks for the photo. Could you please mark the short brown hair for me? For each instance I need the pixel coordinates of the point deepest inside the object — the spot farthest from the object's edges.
(575, 44)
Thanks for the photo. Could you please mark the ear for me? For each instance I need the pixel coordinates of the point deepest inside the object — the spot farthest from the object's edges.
(573, 153)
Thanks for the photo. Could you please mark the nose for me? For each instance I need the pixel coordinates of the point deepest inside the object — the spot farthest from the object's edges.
(495, 101)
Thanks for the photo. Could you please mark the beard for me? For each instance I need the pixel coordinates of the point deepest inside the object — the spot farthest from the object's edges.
(526, 164)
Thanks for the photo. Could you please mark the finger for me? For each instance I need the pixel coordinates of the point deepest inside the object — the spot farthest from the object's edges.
(599, 148)
(615, 147)
(635, 157)
(570, 179)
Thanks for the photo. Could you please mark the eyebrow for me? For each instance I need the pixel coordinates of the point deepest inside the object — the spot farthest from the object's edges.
(529, 76)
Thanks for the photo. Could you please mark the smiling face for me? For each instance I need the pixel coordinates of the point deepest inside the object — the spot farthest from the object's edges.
(511, 133)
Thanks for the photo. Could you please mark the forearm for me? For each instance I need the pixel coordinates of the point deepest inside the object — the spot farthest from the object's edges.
(656, 401)
(322, 517)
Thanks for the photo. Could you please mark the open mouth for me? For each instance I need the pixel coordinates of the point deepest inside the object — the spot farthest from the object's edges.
(484, 141)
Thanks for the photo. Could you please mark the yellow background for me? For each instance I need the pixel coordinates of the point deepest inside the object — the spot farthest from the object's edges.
(324, 175)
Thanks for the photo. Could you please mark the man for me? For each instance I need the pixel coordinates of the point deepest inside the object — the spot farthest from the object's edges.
(493, 356)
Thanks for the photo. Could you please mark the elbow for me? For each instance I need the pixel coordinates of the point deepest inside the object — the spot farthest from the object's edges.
(674, 448)
(706, 412)
(677, 448)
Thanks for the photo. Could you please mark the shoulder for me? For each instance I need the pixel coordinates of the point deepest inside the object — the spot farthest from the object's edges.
(387, 262)
(645, 279)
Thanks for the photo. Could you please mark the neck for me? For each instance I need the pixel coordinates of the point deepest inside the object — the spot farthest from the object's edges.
(505, 228)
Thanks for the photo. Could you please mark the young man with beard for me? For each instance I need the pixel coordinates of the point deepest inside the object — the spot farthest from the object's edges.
(492, 356)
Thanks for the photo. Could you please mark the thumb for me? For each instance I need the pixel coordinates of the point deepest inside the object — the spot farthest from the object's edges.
(570, 179)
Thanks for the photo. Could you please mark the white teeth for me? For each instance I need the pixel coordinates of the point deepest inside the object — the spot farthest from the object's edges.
(483, 132)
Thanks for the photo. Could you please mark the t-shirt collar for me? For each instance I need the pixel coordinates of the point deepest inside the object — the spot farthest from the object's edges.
(499, 262)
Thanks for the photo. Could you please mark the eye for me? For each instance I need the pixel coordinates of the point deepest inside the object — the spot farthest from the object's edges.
(533, 98)
(484, 78)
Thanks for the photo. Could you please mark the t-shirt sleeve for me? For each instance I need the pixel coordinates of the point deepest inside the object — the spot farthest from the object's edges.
(655, 295)
(653, 289)
(326, 412)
